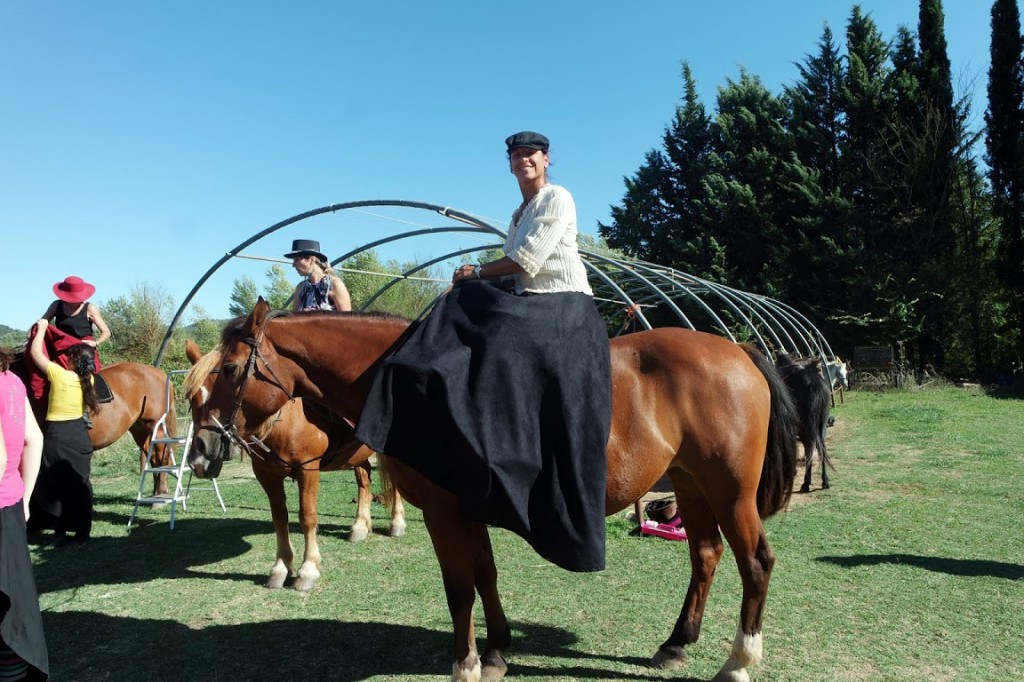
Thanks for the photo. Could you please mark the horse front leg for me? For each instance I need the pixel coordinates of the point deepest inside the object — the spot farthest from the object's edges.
(362, 525)
(273, 485)
(452, 538)
(309, 490)
(499, 635)
(754, 559)
(706, 548)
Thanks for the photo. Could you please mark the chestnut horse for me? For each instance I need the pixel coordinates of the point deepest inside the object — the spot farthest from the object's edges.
(140, 399)
(711, 413)
(299, 441)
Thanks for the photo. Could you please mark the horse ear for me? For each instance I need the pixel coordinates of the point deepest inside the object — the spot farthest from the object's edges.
(259, 313)
(192, 351)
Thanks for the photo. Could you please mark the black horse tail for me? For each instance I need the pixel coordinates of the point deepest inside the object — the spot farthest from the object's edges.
(779, 469)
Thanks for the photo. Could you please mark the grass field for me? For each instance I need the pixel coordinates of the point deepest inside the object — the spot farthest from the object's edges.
(910, 568)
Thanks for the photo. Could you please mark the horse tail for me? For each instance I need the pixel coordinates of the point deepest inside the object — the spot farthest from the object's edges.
(387, 487)
(821, 400)
(779, 468)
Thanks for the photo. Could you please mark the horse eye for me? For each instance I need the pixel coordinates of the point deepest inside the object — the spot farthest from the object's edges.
(231, 370)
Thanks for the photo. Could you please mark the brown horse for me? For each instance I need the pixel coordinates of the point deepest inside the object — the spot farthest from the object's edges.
(712, 414)
(301, 441)
(140, 399)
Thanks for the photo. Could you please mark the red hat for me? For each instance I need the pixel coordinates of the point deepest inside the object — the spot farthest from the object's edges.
(73, 290)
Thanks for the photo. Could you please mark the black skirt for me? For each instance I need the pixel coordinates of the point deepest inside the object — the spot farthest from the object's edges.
(22, 625)
(505, 401)
(62, 499)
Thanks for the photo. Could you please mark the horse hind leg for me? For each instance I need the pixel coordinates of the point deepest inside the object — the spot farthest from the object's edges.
(809, 449)
(397, 528)
(754, 559)
(363, 524)
(705, 546)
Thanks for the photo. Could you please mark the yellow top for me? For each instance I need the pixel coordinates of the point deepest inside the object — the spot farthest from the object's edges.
(66, 401)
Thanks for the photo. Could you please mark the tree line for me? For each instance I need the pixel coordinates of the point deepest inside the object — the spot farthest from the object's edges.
(857, 194)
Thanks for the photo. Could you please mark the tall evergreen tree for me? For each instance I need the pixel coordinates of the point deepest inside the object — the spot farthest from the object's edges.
(754, 185)
(822, 255)
(936, 177)
(1004, 143)
(880, 295)
(661, 216)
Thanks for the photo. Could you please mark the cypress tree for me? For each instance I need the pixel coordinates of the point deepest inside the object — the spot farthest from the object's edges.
(1004, 142)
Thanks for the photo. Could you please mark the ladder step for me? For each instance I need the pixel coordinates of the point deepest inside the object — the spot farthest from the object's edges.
(169, 469)
(159, 499)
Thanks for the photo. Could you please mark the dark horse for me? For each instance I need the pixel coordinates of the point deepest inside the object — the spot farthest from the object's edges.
(713, 414)
(812, 394)
(139, 400)
(299, 441)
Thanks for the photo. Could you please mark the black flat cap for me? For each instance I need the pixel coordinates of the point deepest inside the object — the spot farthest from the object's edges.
(527, 139)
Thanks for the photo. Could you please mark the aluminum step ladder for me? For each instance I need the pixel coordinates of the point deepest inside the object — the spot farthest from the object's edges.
(177, 468)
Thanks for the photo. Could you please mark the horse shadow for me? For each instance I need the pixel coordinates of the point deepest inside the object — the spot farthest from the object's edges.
(114, 648)
(970, 568)
(151, 551)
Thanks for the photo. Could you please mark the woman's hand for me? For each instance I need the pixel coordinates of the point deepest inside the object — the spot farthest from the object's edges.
(89, 342)
(467, 271)
(41, 326)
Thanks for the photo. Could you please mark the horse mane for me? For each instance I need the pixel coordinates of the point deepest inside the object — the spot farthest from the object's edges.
(234, 326)
(200, 371)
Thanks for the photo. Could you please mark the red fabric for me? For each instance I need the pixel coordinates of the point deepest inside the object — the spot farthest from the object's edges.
(55, 343)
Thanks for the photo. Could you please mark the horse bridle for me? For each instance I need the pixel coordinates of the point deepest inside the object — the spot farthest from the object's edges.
(229, 432)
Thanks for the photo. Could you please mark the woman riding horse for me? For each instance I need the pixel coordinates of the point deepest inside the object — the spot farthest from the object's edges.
(489, 379)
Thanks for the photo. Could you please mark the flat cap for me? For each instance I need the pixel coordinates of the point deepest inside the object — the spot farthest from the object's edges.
(527, 138)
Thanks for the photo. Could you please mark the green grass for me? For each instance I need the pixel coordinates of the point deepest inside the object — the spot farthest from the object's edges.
(910, 568)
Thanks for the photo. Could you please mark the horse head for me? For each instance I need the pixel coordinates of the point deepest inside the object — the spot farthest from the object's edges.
(838, 373)
(236, 392)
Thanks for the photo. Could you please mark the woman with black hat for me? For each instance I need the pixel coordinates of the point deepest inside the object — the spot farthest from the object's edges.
(72, 313)
(504, 397)
(321, 289)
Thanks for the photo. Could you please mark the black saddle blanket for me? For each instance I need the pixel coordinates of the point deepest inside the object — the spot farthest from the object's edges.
(505, 401)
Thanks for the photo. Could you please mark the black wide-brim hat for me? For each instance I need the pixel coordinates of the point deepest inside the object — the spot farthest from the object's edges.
(527, 138)
(306, 247)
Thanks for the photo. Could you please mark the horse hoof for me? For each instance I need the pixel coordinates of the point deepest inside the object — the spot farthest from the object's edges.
(805, 488)
(493, 671)
(732, 676)
(358, 534)
(304, 584)
(669, 658)
(275, 583)
(397, 531)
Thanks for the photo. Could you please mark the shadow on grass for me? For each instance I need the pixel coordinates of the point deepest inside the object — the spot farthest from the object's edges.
(152, 551)
(114, 648)
(980, 568)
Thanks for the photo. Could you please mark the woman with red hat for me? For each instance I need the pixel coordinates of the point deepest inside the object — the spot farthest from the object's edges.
(72, 313)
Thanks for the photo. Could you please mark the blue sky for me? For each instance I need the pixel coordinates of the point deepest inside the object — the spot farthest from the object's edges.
(141, 141)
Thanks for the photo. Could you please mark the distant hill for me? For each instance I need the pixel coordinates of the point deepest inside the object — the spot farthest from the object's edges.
(10, 337)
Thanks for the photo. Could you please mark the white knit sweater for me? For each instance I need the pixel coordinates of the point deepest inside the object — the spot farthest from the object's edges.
(543, 241)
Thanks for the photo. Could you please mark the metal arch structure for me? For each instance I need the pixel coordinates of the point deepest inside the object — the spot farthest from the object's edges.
(625, 288)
